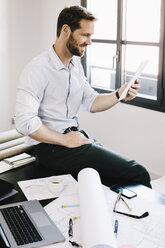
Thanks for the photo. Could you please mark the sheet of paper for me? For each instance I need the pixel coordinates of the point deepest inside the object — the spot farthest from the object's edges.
(139, 233)
(61, 217)
(136, 75)
(38, 188)
(159, 184)
(93, 214)
(4, 166)
(132, 233)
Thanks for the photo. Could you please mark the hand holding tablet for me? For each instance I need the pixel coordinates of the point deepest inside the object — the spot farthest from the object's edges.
(136, 75)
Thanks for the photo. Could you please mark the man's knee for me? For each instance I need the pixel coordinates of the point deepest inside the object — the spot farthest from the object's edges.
(146, 180)
(141, 175)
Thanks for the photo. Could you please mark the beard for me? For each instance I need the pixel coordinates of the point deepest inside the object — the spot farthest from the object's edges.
(73, 46)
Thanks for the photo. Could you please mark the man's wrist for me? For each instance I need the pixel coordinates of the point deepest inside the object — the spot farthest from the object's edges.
(118, 96)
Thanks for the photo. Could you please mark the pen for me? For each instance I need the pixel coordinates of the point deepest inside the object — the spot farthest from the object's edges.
(73, 243)
(116, 227)
(70, 232)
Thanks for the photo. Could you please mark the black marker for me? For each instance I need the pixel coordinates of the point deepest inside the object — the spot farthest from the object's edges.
(74, 244)
(70, 232)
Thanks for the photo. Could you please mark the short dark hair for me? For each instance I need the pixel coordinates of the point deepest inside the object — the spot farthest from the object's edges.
(72, 17)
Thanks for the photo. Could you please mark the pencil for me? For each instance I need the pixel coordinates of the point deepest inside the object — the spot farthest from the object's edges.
(70, 206)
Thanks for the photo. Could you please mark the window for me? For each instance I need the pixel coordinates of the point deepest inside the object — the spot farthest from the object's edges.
(126, 33)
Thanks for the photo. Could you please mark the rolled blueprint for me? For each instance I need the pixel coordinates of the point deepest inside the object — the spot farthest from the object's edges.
(14, 150)
(96, 223)
(12, 143)
(9, 135)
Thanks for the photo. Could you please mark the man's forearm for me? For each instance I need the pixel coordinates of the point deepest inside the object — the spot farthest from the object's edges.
(70, 140)
(46, 135)
(104, 102)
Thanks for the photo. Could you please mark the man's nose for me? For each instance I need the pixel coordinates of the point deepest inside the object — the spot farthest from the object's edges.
(89, 41)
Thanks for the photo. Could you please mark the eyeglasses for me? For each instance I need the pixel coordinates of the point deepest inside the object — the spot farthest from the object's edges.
(129, 215)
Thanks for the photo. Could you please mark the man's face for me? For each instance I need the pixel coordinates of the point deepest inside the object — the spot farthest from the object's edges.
(80, 38)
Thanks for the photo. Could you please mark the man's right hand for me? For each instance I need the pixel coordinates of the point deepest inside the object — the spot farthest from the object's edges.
(71, 140)
(75, 139)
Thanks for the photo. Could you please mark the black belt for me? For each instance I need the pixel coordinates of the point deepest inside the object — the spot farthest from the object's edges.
(69, 129)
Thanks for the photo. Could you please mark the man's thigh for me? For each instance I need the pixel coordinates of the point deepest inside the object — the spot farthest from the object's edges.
(112, 167)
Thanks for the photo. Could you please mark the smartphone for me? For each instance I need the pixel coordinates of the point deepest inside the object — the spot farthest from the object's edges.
(125, 192)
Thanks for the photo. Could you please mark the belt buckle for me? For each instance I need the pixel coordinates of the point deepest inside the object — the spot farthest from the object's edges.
(69, 129)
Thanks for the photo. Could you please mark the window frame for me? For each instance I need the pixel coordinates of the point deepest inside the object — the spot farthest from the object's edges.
(159, 104)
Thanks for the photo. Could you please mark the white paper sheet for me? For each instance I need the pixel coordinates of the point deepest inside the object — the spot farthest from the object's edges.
(148, 232)
(61, 217)
(159, 184)
(37, 189)
(96, 223)
(139, 233)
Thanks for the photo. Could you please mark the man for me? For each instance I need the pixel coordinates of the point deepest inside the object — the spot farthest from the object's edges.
(52, 88)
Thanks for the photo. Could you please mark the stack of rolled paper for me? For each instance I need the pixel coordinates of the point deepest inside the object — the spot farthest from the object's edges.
(11, 143)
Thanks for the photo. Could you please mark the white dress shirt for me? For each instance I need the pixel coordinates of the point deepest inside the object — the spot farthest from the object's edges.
(51, 94)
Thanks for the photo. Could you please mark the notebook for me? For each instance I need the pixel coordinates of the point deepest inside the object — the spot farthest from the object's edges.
(15, 161)
(26, 224)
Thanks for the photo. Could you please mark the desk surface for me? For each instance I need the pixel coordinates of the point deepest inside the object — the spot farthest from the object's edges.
(32, 171)
(29, 171)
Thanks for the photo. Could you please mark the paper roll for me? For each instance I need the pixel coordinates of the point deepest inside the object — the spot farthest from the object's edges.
(12, 143)
(96, 223)
(14, 150)
(9, 135)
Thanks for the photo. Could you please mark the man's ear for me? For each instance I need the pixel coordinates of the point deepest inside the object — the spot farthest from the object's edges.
(66, 30)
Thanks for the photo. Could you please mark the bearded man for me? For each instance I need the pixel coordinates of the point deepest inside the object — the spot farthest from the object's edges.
(51, 91)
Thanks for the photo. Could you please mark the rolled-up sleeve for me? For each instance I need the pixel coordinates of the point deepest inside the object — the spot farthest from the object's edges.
(89, 96)
(29, 95)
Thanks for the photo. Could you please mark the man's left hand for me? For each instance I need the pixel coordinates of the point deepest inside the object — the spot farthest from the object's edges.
(132, 92)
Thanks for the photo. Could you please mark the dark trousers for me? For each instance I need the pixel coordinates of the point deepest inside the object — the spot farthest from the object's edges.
(112, 167)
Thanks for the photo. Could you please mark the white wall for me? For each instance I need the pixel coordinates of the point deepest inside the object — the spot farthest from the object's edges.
(4, 82)
(135, 132)
(50, 10)
(28, 28)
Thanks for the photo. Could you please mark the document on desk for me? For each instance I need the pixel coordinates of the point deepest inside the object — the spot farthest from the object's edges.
(15, 161)
(140, 233)
(37, 189)
(132, 233)
(92, 224)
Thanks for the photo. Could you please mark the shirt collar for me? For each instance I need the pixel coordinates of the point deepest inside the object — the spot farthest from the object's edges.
(56, 60)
